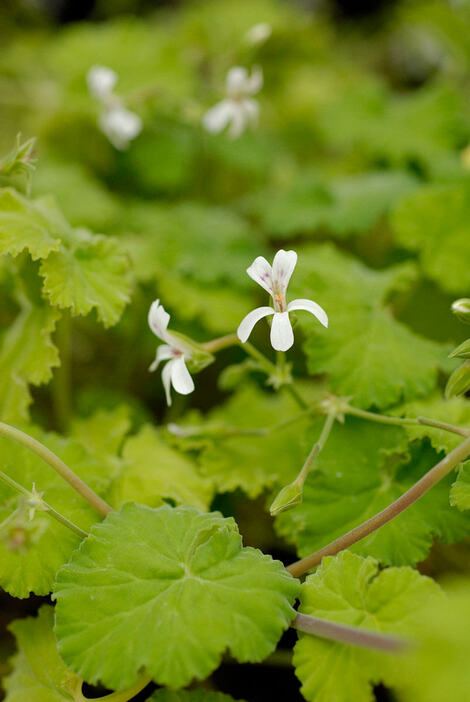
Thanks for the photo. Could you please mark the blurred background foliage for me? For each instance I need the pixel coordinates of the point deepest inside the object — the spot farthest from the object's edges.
(358, 163)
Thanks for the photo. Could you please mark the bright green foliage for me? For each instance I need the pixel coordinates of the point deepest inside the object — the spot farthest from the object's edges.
(437, 668)
(460, 490)
(152, 471)
(191, 591)
(103, 432)
(91, 273)
(354, 481)
(368, 354)
(27, 355)
(32, 551)
(349, 205)
(254, 463)
(353, 591)
(39, 674)
(20, 160)
(434, 222)
(190, 696)
(454, 411)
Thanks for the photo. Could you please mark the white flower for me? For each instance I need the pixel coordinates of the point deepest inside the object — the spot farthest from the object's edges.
(275, 281)
(101, 81)
(238, 109)
(259, 33)
(119, 124)
(174, 350)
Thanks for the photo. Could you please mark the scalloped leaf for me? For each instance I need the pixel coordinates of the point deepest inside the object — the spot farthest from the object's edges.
(353, 482)
(39, 674)
(434, 222)
(31, 552)
(90, 273)
(191, 590)
(368, 354)
(352, 590)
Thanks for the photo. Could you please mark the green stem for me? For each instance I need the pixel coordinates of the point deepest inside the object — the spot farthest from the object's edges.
(432, 477)
(61, 387)
(317, 447)
(404, 421)
(269, 366)
(347, 634)
(292, 390)
(123, 696)
(58, 465)
(222, 342)
(44, 506)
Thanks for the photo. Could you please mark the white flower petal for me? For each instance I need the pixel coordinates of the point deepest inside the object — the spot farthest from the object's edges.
(158, 320)
(101, 81)
(258, 33)
(309, 306)
(164, 352)
(217, 118)
(166, 380)
(180, 376)
(251, 110)
(120, 125)
(282, 336)
(283, 267)
(255, 81)
(246, 325)
(261, 272)
(238, 120)
(237, 81)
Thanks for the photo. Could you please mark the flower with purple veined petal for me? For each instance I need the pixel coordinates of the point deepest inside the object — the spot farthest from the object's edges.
(119, 124)
(238, 109)
(174, 350)
(275, 280)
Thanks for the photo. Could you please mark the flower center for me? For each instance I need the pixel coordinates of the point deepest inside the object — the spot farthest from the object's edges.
(279, 302)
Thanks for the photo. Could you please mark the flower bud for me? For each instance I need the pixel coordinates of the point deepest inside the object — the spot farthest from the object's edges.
(462, 351)
(459, 381)
(461, 308)
(288, 497)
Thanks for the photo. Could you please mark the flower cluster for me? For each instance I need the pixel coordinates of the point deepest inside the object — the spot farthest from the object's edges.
(119, 124)
(274, 279)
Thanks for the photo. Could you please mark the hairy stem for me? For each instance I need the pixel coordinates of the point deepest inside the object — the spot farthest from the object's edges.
(317, 447)
(56, 464)
(292, 390)
(44, 506)
(347, 634)
(403, 421)
(440, 470)
(223, 342)
(123, 696)
(268, 366)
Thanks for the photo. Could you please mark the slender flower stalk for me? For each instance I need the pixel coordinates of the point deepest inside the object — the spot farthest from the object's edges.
(440, 470)
(58, 465)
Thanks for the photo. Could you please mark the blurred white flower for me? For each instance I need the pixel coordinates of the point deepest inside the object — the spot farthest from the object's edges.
(174, 350)
(238, 109)
(259, 33)
(275, 280)
(119, 124)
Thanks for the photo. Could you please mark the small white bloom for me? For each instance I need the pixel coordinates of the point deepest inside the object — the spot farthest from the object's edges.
(119, 124)
(259, 33)
(101, 81)
(275, 280)
(174, 350)
(238, 109)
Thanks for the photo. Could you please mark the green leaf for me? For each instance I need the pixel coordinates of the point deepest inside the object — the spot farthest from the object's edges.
(27, 356)
(151, 471)
(352, 590)
(39, 674)
(103, 432)
(20, 160)
(190, 696)
(368, 354)
(90, 273)
(31, 552)
(35, 225)
(186, 573)
(460, 490)
(355, 480)
(434, 222)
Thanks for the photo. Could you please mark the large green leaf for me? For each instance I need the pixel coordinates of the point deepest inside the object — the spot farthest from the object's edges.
(434, 222)
(355, 480)
(352, 590)
(39, 674)
(368, 354)
(168, 590)
(31, 552)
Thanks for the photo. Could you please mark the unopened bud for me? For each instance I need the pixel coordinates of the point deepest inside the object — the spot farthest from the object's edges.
(461, 308)
(459, 381)
(462, 351)
(288, 497)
